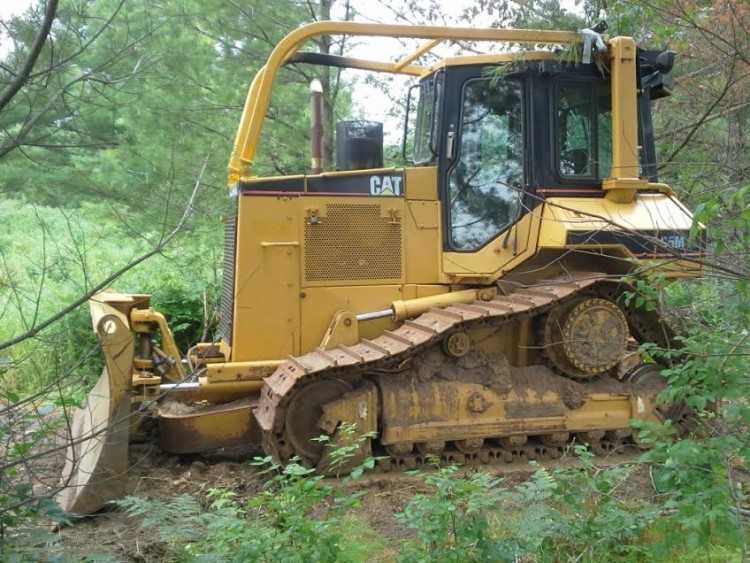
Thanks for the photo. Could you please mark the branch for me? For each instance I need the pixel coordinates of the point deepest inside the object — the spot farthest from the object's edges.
(713, 117)
(85, 76)
(36, 49)
(730, 81)
(85, 46)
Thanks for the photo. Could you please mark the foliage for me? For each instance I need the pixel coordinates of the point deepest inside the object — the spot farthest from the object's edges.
(581, 514)
(453, 523)
(298, 516)
(17, 541)
(61, 255)
(569, 514)
(566, 514)
(698, 476)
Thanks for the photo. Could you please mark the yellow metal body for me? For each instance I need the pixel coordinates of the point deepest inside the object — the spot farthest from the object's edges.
(410, 308)
(284, 304)
(344, 329)
(624, 181)
(207, 427)
(96, 462)
(149, 321)
(307, 263)
(436, 410)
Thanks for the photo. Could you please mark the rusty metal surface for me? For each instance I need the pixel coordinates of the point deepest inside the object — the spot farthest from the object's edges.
(393, 348)
(193, 430)
(96, 460)
(585, 338)
(414, 336)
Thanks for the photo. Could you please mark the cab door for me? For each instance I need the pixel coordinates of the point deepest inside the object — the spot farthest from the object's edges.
(483, 171)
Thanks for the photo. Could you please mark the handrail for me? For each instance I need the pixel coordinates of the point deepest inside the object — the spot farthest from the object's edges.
(414, 55)
(259, 94)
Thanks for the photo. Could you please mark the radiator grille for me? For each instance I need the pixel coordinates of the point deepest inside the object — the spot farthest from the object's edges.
(352, 242)
(227, 294)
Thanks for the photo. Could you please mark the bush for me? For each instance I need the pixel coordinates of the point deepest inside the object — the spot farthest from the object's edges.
(296, 517)
(577, 514)
(567, 514)
(454, 522)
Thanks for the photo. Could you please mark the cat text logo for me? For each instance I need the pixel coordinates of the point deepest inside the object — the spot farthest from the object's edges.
(385, 185)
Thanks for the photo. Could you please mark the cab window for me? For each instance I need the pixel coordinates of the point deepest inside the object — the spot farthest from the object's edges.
(486, 181)
(583, 131)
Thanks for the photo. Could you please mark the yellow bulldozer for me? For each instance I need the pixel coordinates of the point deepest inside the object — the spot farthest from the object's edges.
(470, 306)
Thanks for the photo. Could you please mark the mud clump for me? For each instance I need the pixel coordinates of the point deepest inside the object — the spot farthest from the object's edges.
(490, 370)
(573, 396)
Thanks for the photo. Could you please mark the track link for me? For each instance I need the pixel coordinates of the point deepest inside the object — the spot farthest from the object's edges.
(394, 348)
(496, 455)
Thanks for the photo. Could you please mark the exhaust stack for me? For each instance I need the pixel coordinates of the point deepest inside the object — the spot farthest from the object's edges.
(316, 128)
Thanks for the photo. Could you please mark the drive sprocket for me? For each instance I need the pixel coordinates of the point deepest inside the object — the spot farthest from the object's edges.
(586, 337)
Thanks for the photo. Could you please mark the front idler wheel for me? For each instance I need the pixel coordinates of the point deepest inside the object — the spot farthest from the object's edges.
(303, 415)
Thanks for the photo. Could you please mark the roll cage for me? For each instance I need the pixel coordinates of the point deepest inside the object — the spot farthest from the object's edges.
(621, 55)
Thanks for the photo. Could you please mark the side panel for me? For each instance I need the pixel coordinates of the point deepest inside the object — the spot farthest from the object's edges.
(655, 230)
(423, 241)
(648, 212)
(421, 183)
(573, 222)
(308, 247)
(266, 308)
(423, 237)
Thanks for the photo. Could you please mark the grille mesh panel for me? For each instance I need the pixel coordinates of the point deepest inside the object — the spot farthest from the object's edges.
(353, 242)
(227, 292)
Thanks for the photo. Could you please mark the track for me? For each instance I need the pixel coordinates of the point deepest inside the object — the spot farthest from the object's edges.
(351, 367)
(509, 459)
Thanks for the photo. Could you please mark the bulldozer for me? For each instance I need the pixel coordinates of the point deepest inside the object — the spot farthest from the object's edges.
(473, 305)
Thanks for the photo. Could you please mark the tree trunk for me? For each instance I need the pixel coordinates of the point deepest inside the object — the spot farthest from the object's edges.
(324, 45)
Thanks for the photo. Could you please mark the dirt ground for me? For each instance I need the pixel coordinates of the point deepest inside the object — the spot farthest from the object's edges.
(113, 536)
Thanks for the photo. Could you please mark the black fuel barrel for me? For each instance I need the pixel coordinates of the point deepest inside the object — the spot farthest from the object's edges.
(359, 145)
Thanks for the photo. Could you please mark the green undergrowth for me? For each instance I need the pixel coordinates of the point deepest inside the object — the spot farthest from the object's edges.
(573, 514)
(298, 516)
(62, 255)
(583, 513)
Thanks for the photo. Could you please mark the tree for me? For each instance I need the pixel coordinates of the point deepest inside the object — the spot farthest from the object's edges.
(100, 147)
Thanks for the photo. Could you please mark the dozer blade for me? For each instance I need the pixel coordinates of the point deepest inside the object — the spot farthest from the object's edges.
(97, 455)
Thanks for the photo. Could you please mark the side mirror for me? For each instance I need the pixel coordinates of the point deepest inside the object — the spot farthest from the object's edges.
(437, 84)
(665, 61)
(407, 129)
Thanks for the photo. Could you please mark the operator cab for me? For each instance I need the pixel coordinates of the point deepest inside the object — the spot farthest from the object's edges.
(504, 136)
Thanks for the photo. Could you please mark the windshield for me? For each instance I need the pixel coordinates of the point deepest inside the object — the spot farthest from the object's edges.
(486, 181)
